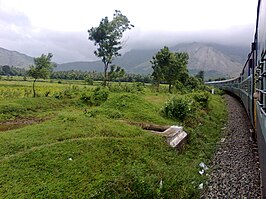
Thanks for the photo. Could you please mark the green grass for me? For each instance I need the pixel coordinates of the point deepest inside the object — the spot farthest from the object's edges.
(92, 152)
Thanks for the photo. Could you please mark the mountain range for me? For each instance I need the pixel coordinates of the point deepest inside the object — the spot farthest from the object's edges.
(14, 58)
(215, 59)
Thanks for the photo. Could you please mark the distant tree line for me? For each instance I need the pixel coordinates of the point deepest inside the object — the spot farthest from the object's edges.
(116, 74)
(99, 76)
(6, 70)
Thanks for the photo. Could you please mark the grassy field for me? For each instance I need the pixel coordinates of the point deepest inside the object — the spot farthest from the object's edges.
(82, 145)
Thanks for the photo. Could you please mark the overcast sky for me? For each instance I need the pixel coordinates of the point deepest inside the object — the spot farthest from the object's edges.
(34, 27)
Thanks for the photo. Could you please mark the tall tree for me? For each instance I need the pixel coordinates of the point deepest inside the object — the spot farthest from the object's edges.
(159, 62)
(42, 68)
(169, 67)
(107, 38)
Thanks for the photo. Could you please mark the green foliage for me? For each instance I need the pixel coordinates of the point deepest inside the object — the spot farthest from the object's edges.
(200, 75)
(98, 76)
(202, 98)
(11, 71)
(89, 80)
(95, 153)
(96, 97)
(169, 67)
(192, 83)
(42, 69)
(126, 87)
(116, 72)
(181, 106)
(68, 93)
(178, 107)
(180, 87)
(107, 37)
(24, 107)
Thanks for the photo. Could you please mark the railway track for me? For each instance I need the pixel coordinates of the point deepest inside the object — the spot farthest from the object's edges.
(235, 171)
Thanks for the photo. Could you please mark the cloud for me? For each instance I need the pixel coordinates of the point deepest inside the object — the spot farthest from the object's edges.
(75, 46)
(238, 35)
(13, 17)
(18, 33)
(29, 27)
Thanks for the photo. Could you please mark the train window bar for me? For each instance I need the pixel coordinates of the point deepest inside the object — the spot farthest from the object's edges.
(260, 104)
(263, 74)
(262, 110)
(262, 91)
(260, 65)
(263, 55)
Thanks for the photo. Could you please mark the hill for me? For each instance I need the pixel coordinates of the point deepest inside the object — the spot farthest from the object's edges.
(14, 58)
(215, 59)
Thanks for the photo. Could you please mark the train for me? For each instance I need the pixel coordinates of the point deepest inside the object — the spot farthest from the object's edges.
(250, 87)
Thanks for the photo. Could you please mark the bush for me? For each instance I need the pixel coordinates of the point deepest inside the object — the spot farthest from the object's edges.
(88, 81)
(68, 93)
(96, 97)
(177, 107)
(202, 99)
(179, 86)
(193, 83)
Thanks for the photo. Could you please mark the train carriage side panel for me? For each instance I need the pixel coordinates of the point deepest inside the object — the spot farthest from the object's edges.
(260, 70)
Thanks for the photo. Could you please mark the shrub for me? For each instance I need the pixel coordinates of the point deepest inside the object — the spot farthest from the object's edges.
(179, 86)
(177, 107)
(192, 83)
(68, 93)
(96, 97)
(202, 98)
(88, 81)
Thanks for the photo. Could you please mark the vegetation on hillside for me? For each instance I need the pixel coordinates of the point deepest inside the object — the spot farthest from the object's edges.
(86, 146)
(78, 139)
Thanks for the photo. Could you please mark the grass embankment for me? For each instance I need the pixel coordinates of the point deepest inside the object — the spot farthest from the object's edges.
(92, 152)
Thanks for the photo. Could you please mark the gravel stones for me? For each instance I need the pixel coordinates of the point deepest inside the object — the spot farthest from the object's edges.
(235, 168)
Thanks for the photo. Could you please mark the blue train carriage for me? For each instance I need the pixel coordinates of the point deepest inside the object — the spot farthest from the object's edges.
(246, 85)
(230, 85)
(260, 83)
(250, 87)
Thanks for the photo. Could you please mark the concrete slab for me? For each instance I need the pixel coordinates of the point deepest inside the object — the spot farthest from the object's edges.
(176, 137)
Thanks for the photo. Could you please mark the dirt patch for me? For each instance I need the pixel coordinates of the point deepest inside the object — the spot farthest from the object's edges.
(19, 123)
(150, 127)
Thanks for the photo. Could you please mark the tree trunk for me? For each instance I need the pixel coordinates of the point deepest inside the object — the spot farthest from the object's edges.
(105, 74)
(170, 87)
(158, 86)
(33, 88)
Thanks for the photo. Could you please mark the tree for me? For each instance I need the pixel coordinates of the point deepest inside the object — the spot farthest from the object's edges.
(157, 75)
(107, 37)
(42, 68)
(200, 75)
(115, 72)
(176, 69)
(169, 67)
